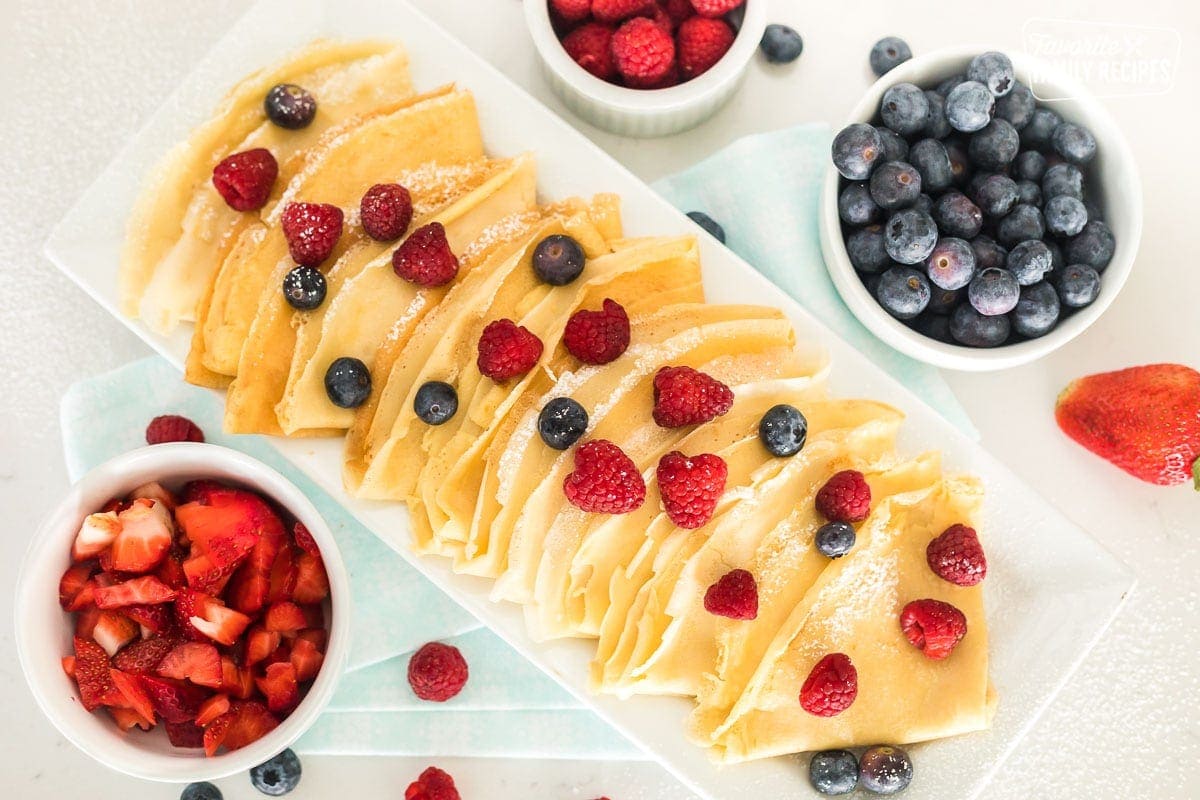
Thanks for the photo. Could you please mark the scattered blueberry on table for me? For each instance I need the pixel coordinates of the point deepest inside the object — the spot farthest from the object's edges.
(889, 53)
(781, 44)
(200, 791)
(709, 224)
(884, 769)
(277, 776)
(833, 772)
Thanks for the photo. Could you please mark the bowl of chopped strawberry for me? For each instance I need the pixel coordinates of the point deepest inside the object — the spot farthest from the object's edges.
(183, 614)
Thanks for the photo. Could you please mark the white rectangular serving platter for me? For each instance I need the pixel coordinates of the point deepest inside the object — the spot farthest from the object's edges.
(1051, 589)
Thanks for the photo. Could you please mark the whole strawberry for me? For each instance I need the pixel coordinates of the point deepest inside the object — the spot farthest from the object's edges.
(1145, 420)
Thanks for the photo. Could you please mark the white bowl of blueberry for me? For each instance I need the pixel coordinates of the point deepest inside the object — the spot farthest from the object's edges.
(970, 224)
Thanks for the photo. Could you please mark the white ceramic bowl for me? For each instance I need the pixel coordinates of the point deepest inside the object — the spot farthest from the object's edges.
(44, 630)
(644, 112)
(1114, 186)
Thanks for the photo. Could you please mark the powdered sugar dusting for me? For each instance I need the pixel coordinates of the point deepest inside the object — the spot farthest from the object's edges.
(505, 229)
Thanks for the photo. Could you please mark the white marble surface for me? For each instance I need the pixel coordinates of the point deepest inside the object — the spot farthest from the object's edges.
(76, 80)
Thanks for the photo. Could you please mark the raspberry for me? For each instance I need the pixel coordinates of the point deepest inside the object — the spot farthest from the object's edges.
(173, 428)
(845, 497)
(590, 46)
(598, 337)
(312, 231)
(643, 52)
(691, 487)
(605, 480)
(245, 179)
(831, 686)
(734, 596)
(386, 211)
(957, 556)
(507, 350)
(434, 784)
(617, 10)
(715, 8)
(701, 42)
(677, 10)
(933, 627)
(437, 672)
(571, 10)
(684, 396)
(425, 257)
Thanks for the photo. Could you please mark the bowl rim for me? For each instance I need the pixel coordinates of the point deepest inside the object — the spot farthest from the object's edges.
(51, 542)
(960, 357)
(646, 102)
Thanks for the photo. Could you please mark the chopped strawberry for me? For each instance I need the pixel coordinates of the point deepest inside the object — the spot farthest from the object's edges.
(210, 570)
(279, 686)
(146, 534)
(135, 696)
(201, 615)
(314, 616)
(85, 621)
(305, 540)
(73, 581)
(248, 590)
(175, 701)
(92, 674)
(142, 658)
(312, 584)
(170, 571)
(280, 654)
(96, 534)
(318, 636)
(185, 734)
(68, 665)
(284, 574)
(146, 590)
(156, 491)
(222, 512)
(284, 617)
(212, 708)
(127, 718)
(195, 661)
(113, 631)
(236, 681)
(245, 722)
(84, 598)
(306, 658)
(260, 643)
(153, 620)
(203, 491)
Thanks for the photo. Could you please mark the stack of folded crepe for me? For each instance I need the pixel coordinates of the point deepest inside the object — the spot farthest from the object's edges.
(484, 491)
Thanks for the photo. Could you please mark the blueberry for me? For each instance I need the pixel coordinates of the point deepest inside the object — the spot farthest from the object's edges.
(561, 422)
(995, 146)
(1023, 222)
(435, 402)
(781, 44)
(1074, 142)
(1065, 215)
(909, 236)
(1057, 259)
(994, 70)
(1093, 210)
(783, 430)
(884, 769)
(1029, 165)
(932, 161)
(866, 249)
(1036, 134)
(956, 215)
(1094, 246)
(951, 265)
(304, 288)
(996, 195)
(1037, 311)
(923, 203)
(833, 772)
(1029, 261)
(835, 539)
(960, 162)
(905, 109)
(1062, 179)
(709, 224)
(348, 382)
(945, 86)
(278, 775)
(938, 126)
(558, 259)
(1078, 285)
(895, 148)
(871, 282)
(934, 325)
(290, 106)
(200, 791)
(943, 301)
(988, 254)
(889, 53)
(903, 292)
(1017, 106)
(993, 292)
(856, 148)
(855, 205)
(1029, 193)
(969, 106)
(895, 184)
(973, 329)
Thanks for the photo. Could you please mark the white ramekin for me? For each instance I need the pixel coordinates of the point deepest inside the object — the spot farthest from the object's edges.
(1116, 187)
(644, 112)
(44, 630)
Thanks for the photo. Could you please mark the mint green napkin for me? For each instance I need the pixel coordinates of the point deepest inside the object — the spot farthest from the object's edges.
(763, 190)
